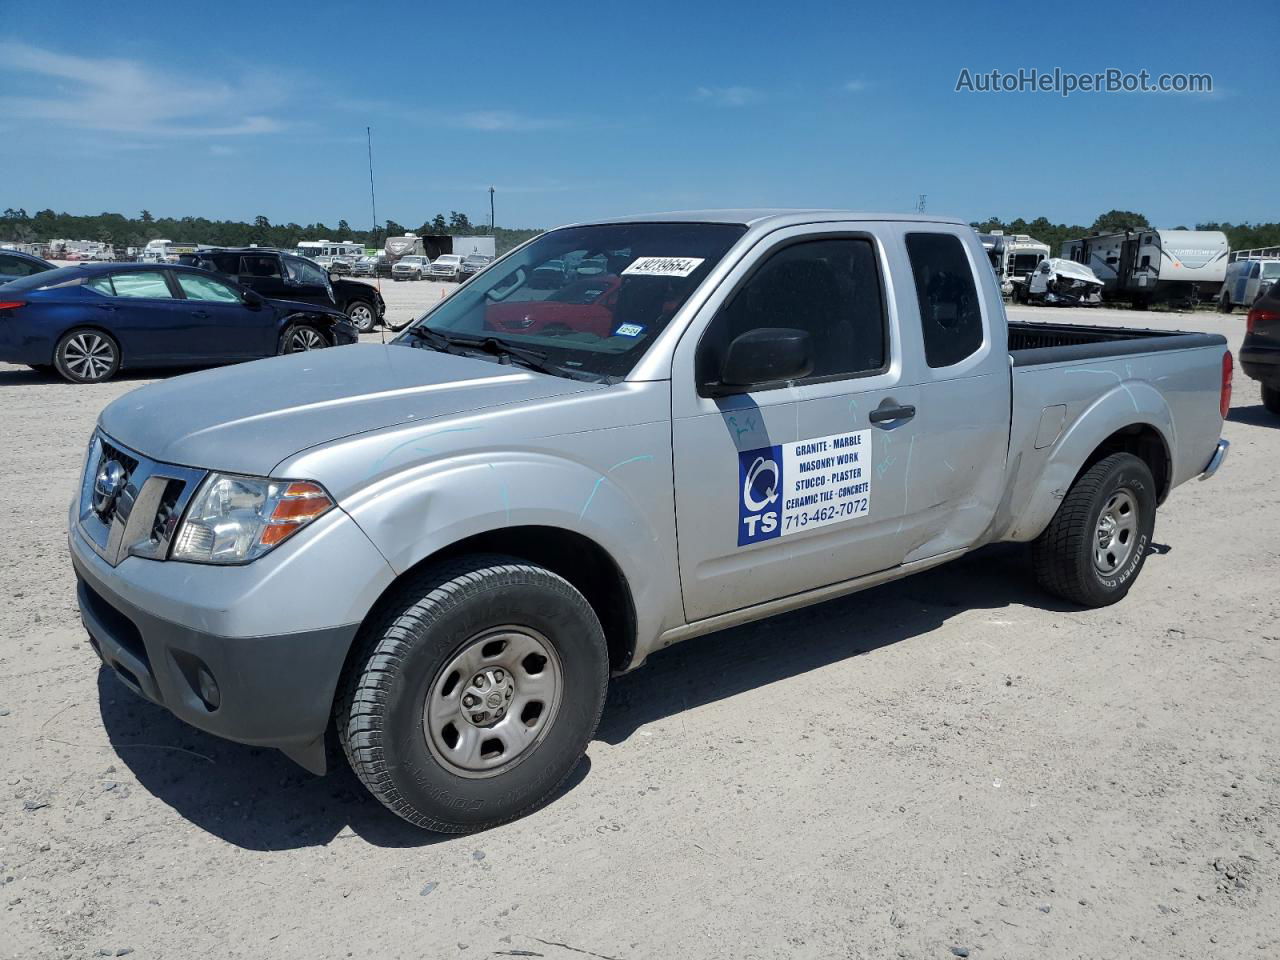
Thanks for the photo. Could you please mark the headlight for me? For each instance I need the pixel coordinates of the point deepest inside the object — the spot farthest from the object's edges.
(234, 519)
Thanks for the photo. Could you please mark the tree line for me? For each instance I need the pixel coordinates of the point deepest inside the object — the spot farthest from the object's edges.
(1241, 236)
(121, 231)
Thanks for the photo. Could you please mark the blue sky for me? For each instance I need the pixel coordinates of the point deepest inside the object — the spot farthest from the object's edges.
(572, 111)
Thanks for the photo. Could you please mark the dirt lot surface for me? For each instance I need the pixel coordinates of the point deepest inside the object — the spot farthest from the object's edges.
(951, 763)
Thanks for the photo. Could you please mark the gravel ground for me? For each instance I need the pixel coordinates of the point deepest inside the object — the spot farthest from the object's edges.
(951, 763)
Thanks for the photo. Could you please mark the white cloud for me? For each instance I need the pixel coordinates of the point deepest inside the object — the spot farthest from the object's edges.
(727, 96)
(499, 120)
(127, 97)
(856, 86)
(220, 150)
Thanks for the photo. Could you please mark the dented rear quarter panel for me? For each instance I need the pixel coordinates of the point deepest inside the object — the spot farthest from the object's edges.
(1173, 391)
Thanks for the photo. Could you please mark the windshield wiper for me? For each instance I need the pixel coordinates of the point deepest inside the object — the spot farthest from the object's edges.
(505, 352)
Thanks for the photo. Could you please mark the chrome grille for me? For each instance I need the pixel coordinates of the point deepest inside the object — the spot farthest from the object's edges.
(137, 514)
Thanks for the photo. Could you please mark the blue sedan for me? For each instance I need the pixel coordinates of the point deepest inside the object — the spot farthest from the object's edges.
(88, 322)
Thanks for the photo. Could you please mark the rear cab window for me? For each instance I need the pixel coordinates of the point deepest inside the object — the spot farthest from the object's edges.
(950, 312)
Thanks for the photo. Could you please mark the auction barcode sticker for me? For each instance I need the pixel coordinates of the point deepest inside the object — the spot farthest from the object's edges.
(662, 267)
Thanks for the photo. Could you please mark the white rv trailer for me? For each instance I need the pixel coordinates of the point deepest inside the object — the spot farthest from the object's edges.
(1013, 258)
(1147, 266)
(408, 245)
(311, 249)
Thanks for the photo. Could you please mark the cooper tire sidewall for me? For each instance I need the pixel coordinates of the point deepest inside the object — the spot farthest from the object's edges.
(421, 778)
(1137, 480)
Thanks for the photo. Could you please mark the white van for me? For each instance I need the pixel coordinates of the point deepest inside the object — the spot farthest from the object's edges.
(1247, 280)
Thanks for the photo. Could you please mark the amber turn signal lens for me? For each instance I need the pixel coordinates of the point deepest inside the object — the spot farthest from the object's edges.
(296, 506)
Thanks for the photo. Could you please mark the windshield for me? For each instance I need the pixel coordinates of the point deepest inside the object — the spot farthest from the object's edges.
(635, 276)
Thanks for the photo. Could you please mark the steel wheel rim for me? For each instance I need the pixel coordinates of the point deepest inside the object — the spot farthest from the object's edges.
(493, 702)
(362, 316)
(89, 356)
(304, 339)
(1116, 533)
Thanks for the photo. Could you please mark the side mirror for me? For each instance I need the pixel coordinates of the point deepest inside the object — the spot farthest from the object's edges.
(766, 355)
(253, 300)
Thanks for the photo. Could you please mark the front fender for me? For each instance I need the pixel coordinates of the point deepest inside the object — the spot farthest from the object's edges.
(1126, 404)
(414, 514)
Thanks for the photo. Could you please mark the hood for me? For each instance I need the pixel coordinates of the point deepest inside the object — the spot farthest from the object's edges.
(297, 306)
(247, 418)
(1073, 270)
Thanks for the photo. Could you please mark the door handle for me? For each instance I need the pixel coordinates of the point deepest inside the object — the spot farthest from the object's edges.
(202, 314)
(886, 415)
(104, 306)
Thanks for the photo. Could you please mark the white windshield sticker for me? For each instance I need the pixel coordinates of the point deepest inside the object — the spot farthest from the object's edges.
(663, 267)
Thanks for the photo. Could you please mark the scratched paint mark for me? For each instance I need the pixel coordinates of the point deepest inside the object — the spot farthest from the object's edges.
(381, 461)
(948, 466)
(906, 485)
(604, 476)
(1119, 379)
(883, 466)
(738, 431)
(506, 495)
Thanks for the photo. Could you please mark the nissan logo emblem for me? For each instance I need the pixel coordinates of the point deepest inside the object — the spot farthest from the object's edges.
(107, 485)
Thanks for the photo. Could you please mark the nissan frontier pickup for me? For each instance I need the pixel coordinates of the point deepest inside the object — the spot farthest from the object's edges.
(435, 552)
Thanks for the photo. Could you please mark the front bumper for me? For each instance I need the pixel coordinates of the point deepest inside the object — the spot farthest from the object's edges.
(175, 633)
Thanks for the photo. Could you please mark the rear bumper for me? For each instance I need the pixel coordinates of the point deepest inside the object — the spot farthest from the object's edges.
(20, 342)
(1219, 455)
(1260, 363)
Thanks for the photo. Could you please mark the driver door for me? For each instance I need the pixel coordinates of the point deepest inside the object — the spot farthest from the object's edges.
(792, 486)
(223, 327)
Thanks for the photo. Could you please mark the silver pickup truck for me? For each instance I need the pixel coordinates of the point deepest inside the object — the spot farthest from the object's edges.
(435, 552)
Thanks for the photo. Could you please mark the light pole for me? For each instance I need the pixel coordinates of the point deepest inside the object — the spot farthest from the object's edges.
(491, 220)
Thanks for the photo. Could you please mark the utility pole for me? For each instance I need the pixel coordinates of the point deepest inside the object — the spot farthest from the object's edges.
(373, 202)
(491, 221)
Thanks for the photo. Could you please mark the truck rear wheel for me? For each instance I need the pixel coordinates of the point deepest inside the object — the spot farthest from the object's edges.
(475, 691)
(1096, 544)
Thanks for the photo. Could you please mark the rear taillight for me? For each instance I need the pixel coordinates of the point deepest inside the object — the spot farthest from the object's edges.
(12, 304)
(1258, 314)
(1228, 368)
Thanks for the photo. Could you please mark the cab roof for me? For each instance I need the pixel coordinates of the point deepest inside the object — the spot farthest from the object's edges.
(770, 217)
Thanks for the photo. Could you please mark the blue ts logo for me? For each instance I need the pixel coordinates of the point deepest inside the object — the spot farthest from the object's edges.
(759, 488)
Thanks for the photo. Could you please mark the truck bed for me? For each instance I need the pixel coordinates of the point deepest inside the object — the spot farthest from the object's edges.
(1037, 343)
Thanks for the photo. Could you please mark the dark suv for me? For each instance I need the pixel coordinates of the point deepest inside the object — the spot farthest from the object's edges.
(1260, 353)
(283, 276)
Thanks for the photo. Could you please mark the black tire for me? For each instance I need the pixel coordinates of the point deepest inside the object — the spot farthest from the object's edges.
(362, 315)
(301, 337)
(1271, 398)
(400, 660)
(1225, 305)
(1064, 554)
(86, 355)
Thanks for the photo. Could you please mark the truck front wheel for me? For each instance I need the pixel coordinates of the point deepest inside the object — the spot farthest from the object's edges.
(1097, 542)
(473, 693)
